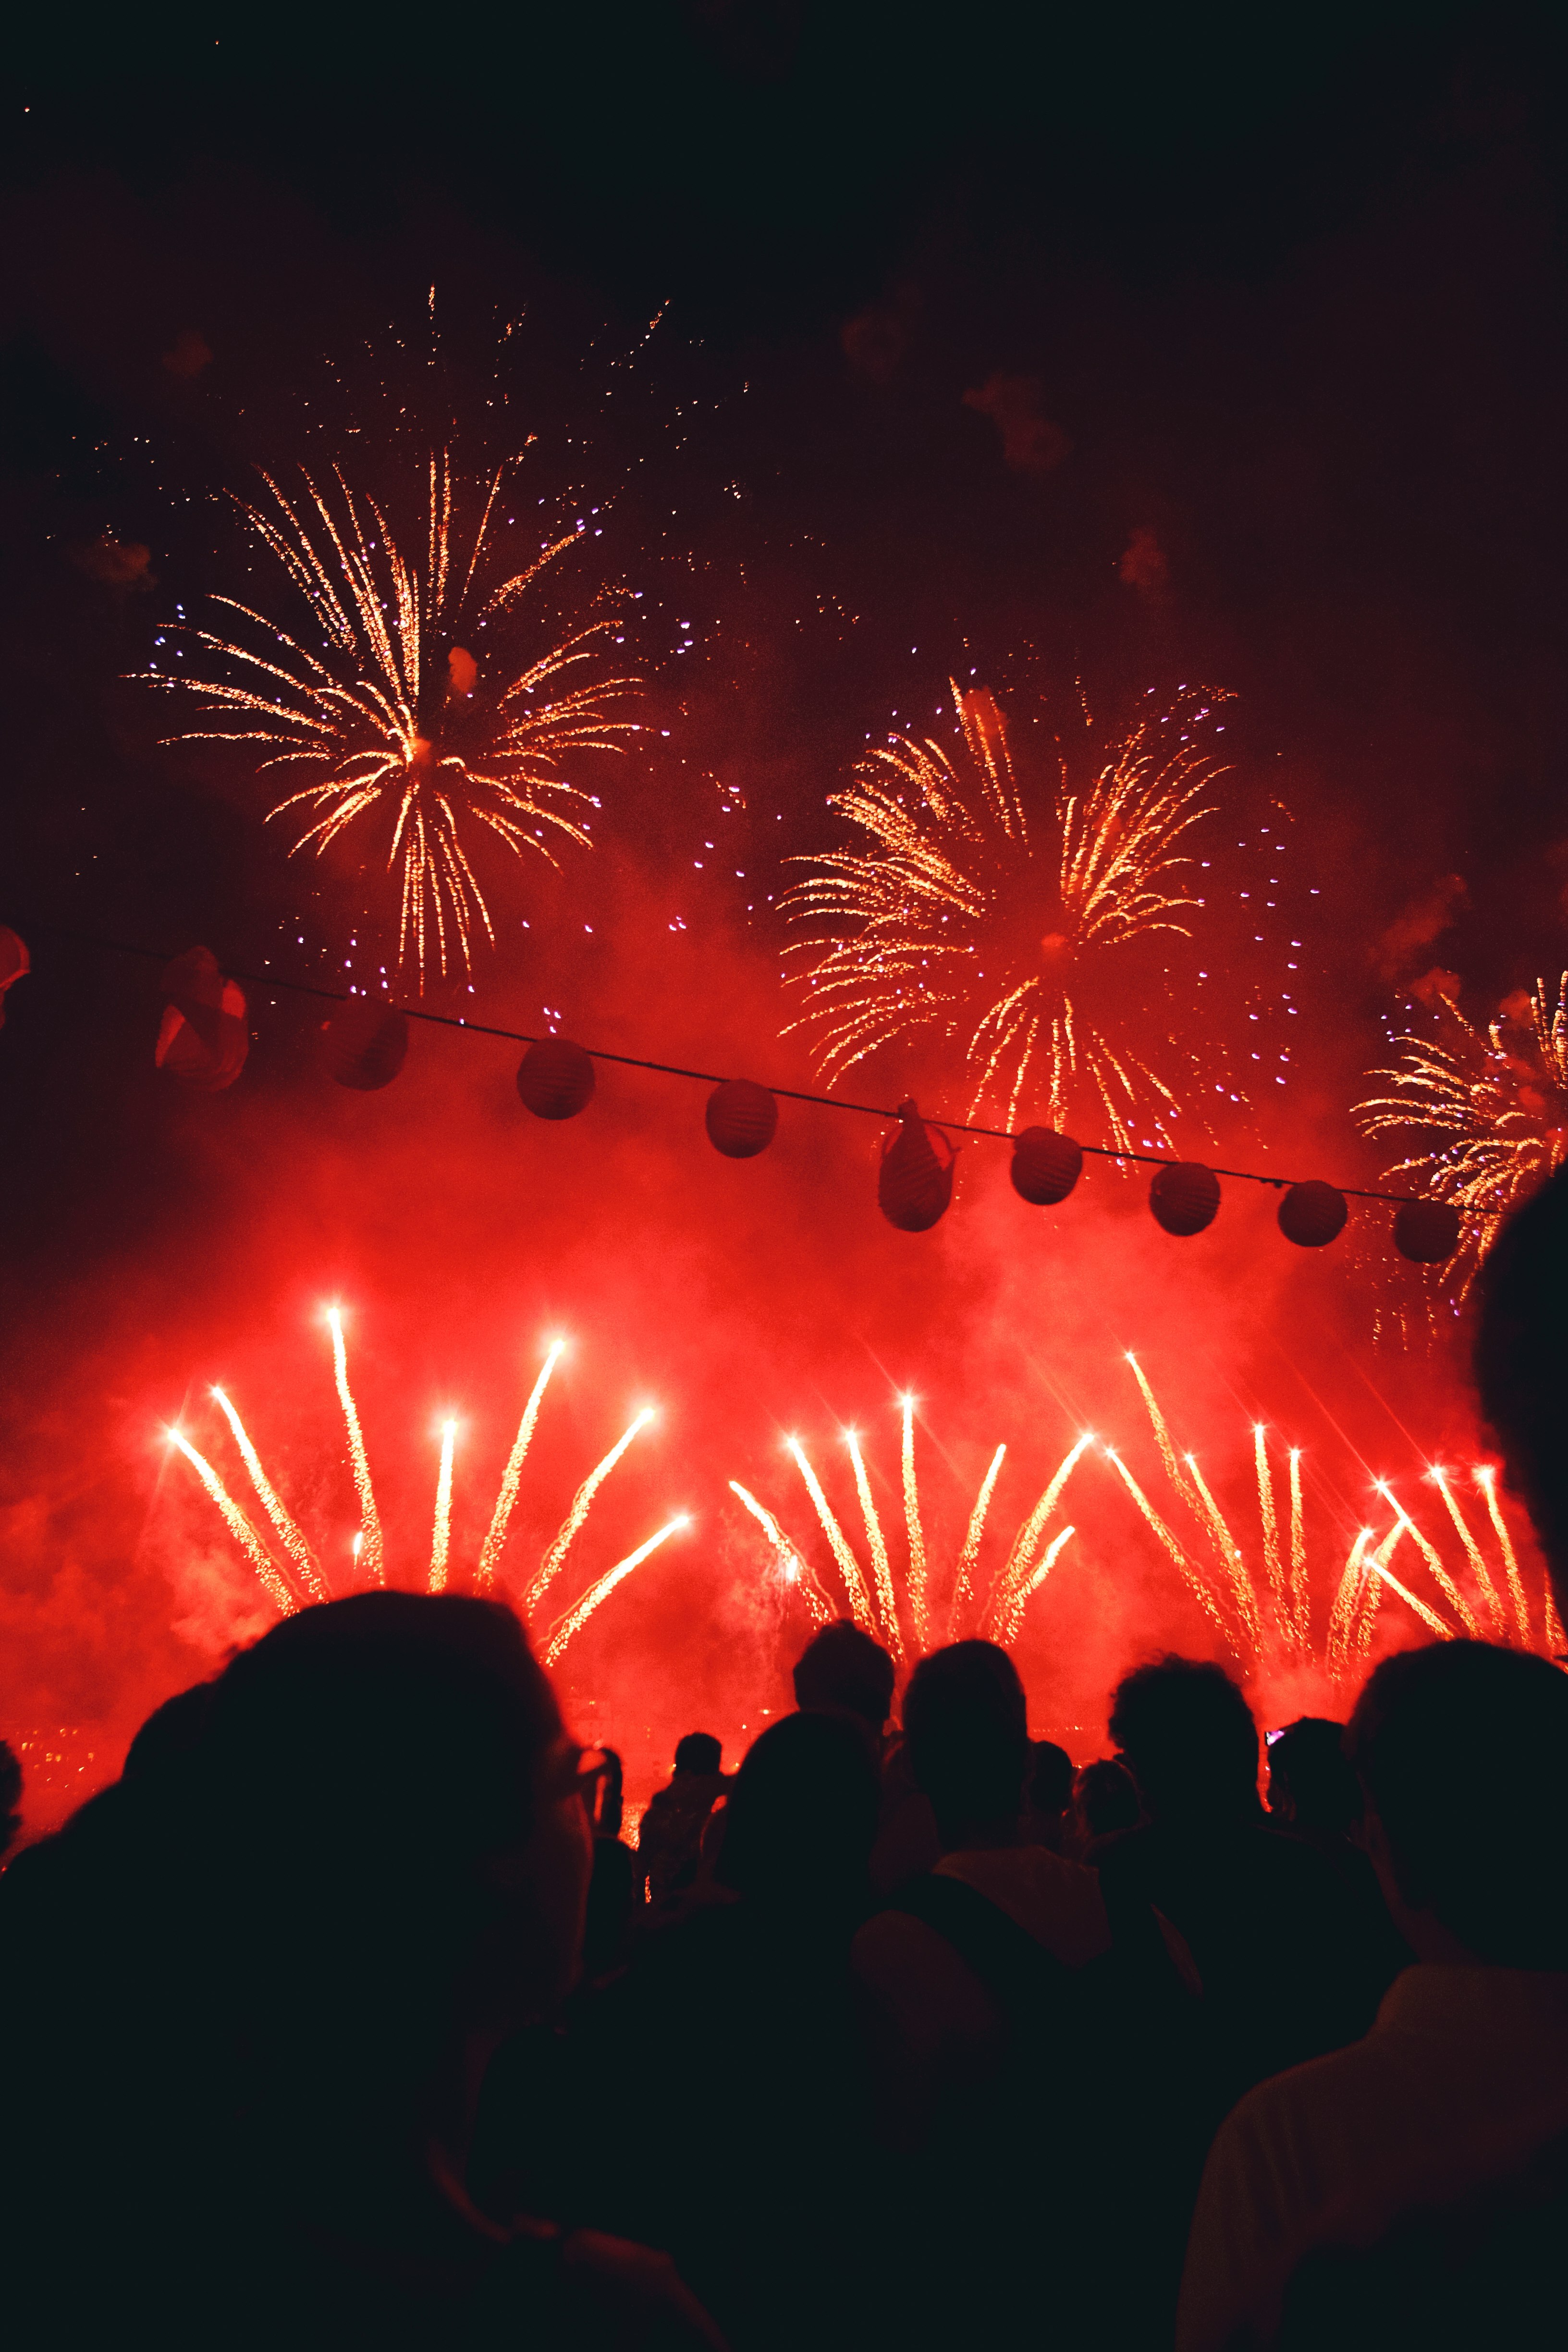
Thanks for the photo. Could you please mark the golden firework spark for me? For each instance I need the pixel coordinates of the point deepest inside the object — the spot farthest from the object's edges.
(1490, 1105)
(300, 1576)
(1004, 918)
(402, 688)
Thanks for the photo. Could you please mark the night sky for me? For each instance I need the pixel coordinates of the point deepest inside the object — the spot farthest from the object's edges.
(1085, 356)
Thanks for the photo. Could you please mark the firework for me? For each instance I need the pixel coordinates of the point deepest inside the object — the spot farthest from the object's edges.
(1014, 920)
(1489, 1108)
(893, 1604)
(299, 1577)
(1272, 1624)
(1255, 1587)
(408, 724)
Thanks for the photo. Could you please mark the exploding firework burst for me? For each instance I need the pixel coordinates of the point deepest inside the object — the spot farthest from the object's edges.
(291, 1573)
(1261, 1591)
(1490, 1105)
(1032, 926)
(414, 727)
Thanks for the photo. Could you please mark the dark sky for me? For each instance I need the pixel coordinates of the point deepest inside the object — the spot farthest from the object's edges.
(1140, 345)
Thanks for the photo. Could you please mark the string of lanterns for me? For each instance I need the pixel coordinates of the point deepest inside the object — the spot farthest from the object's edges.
(204, 1038)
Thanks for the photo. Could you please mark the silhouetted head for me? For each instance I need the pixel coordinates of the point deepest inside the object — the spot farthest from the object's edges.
(966, 1727)
(399, 1854)
(1436, 1735)
(842, 1667)
(611, 1802)
(698, 1752)
(1105, 1799)
(1050, 1778)
(802, 1817)
(1521, 1358)
(10, 1795)
(1311, 1783)
(170, 1735)
(1188, 1737)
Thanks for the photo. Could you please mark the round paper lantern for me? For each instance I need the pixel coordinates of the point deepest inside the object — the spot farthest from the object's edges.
(15, 964)
(364, 1045)
(1312, 1214)
(1046, 1165)
(1426, 1232)
(914, 1182)
(742, 1118)
(1183, 1197)
(556, 1078)
(203, 1038)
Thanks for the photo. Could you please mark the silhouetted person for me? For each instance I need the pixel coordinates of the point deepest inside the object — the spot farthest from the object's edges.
(263, 1975)
(1006, 2044)
(669, 1835)
(843, 1669)
(1048, 1796)
(1462, 2082)
(1104, 1800)
(1312, 1786)
(1283, 1950)
(612, 1886)
(10, 1796)
(721, 2093)
(1520, 1359)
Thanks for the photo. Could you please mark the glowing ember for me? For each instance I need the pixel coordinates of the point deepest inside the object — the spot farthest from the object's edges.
(399, 721)
(293, 1539)
(512, 1476)
(1005, 918)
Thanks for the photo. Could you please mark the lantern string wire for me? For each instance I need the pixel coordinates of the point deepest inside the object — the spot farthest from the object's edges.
(701, 1077)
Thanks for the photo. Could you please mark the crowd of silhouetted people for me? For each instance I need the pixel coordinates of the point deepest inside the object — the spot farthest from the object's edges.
(349, 2016)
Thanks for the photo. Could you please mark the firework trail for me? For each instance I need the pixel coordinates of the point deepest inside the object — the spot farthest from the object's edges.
(1489, 1107)
(405, 726)
(1014, 920)
(293, 1539)
(796, 1570)
(1020, 1562)
(848, 1566)
(267, 1574)
(899, 1615)
(582, 1504)
(284, 1586)
(876, 1542)
(578, 1615)
(441, 1536)
(1486, 1479)
(370, 1555)
(512, 1476)
(914, 1531)
(963, 1583)
(1257, 1635)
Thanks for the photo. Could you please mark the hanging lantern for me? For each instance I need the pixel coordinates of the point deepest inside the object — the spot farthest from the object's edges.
(1183, 1197)
(204, 1038)
(15, 964)
(742, 1118)
(364, 1045)
(556, 1078)
(1426, 1232)
(914, 1182)
(1312, 1214)
(1046, 1165)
